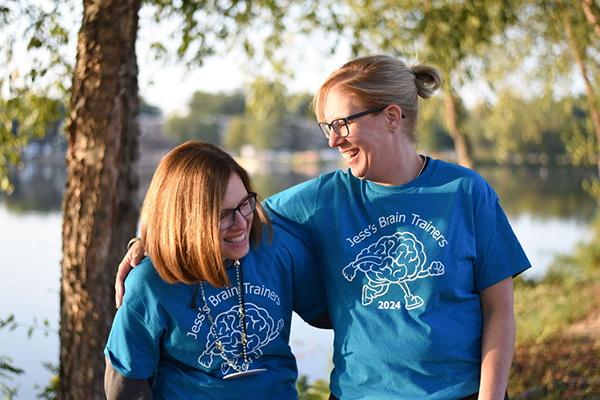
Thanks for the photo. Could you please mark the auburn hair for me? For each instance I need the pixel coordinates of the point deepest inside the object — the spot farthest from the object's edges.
(180, 214)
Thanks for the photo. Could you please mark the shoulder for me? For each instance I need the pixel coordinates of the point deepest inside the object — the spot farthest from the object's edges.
(144, 283)
(143, 272)
(453, 170)
(285, 249)
(285, 241)
(467, 179)
(310, 188)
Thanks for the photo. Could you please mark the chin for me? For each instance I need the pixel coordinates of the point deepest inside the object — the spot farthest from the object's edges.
(235, 253)
(358, 173)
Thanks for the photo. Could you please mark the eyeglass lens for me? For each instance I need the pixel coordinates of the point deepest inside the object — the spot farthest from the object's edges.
(338, 125)
(245, 208)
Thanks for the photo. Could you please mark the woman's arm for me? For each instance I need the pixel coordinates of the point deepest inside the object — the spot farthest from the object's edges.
(498, 339)
(117, 387)
(134, 256)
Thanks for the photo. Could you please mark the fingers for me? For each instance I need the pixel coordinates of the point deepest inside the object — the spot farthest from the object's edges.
(137, 253)
(133, 257)
(124, 269)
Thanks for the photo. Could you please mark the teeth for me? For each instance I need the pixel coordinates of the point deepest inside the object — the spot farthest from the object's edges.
(348, 155)
(237, 239)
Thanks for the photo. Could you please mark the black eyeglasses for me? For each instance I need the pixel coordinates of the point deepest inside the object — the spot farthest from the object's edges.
(246, 207)
(340, 125)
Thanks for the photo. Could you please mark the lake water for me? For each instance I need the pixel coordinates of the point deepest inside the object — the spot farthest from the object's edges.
(547, 208)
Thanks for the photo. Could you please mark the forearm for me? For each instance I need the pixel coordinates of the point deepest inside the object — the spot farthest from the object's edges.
(497, 350)
(117, 387)
(498, 340)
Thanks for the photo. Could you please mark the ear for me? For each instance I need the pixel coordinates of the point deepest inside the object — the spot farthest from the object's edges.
(393, 114)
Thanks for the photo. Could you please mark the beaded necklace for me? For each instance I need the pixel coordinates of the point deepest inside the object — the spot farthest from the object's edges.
(241, 371)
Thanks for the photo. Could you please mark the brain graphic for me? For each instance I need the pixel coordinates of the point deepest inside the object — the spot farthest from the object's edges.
(392, 259)
(260, 329)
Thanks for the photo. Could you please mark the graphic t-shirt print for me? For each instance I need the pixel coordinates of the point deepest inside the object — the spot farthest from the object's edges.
(227, 346)
(394, 260)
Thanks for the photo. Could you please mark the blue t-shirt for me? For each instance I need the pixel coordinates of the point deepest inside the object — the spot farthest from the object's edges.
(402, 268)
(157, 332)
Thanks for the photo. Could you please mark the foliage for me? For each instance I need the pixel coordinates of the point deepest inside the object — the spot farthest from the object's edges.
(551, 362)
(31, 92)
(458, 37)
(559, 50)
(8, 371)
(560, 367)
(319, 390)
(206, 27)
(206, 104)
(514, 129)
(183, 129)
(235, 133)
(268, 118)
(266, 113)
(530, 31)
(148, 109)
(51, 390)
(592, 187)
(432, 132)
(205, 116)
(520, 127)
(22, 118)
(546, 308)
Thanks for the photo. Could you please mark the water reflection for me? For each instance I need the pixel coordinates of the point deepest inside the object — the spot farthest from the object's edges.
(37, 188)
(541, 193)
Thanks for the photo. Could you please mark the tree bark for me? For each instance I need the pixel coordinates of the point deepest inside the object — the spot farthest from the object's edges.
(100, 205)
(461, 143)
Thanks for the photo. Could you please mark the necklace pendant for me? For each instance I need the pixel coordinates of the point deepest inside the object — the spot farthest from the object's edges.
(244, 374)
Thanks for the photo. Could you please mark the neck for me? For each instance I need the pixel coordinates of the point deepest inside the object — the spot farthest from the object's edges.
(406, 169)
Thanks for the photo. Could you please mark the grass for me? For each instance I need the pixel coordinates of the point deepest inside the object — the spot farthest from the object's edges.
(550, 362)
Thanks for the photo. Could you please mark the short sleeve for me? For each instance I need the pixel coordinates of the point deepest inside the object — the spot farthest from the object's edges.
(133, 346)
(309, 300)
(293, 210)
(499, 253)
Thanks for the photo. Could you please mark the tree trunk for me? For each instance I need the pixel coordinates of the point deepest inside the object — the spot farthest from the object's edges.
(100, 207)
(579, 56)
(591, 14)
(461, 143)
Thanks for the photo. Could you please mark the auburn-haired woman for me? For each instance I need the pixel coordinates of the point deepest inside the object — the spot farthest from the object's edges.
(208, 314)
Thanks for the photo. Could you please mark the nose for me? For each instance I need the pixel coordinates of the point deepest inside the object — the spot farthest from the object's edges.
(334, 140)
(240, 221)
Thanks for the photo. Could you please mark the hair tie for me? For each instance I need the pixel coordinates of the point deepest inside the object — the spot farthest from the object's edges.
(412, 72)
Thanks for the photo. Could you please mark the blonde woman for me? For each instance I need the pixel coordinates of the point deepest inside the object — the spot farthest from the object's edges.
(416, 253)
